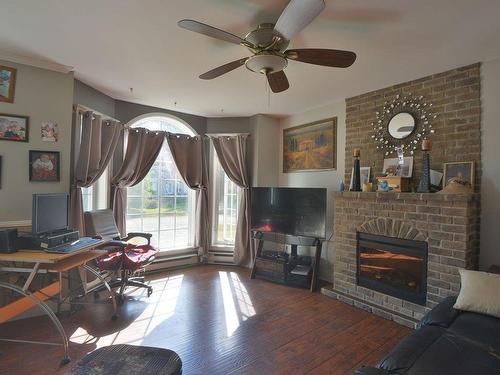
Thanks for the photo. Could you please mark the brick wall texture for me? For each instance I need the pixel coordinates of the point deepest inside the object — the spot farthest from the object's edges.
(448, 223)
(455, 96)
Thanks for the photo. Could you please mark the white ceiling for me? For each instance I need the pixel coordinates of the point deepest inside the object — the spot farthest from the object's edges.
(117, 44)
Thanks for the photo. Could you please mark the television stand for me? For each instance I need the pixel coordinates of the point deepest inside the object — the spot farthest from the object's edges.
(287, 268)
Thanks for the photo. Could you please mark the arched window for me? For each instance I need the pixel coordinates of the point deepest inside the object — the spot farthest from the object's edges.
(162, 204)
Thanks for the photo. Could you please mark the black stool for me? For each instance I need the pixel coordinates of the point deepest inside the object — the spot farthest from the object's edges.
(129, 360)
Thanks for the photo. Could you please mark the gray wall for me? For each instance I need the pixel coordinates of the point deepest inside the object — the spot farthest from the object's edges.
(490, 182)
(228, 125)
(126, 111)
(43, 96)
(265, 143)
(322, 179)
(96, 100)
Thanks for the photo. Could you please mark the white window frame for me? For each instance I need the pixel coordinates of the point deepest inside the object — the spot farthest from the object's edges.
(214, 246)
(191, 194)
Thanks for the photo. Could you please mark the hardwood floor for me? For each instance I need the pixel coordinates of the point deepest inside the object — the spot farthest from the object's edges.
(219, 322)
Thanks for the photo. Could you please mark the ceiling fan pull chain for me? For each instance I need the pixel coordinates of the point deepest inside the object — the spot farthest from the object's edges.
(268, 96)
(268, 91)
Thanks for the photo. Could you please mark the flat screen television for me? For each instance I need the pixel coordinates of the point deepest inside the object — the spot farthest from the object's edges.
(50, 213)
(293, 211)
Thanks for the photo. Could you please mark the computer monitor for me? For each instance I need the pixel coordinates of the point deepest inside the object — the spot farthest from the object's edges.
(50, 213)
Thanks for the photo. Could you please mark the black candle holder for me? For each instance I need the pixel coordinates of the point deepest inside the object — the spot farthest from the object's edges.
(356, 176)
(425, 181)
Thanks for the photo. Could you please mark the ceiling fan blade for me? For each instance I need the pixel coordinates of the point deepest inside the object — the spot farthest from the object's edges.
(208, 30)
(278, 81)
(223, 69)
(297, 15)
(326, 57)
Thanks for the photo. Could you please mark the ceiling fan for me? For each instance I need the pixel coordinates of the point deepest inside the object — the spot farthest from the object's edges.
(268, 43)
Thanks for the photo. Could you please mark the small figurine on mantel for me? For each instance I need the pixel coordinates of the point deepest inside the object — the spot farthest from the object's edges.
(425, 181)
(356, 176)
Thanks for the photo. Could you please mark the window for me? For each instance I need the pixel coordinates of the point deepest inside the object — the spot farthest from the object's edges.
(96, 196)
(87, 198)
(225, 206)
(162, 204)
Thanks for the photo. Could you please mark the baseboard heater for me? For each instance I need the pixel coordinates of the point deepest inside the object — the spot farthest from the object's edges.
(173, 261)
(221, 257)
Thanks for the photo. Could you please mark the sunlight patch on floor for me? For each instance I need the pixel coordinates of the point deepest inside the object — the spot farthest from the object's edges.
(158, 309)
(244, 302)
(238, 306)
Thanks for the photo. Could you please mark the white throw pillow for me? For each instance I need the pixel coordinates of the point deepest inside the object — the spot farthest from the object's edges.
(480, 293)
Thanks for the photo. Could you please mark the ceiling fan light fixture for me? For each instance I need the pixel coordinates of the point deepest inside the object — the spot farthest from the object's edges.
(266, 63)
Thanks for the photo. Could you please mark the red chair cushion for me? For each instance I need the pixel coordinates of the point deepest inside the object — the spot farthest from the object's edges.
(111, 261)
(131, 258)
(136, 255)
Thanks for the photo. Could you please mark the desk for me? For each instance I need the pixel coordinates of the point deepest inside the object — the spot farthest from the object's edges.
(42, 262)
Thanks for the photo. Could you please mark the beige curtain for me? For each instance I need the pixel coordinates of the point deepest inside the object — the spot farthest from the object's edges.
(190, 159)
(231, 152)
(143, 147)
(98, 143)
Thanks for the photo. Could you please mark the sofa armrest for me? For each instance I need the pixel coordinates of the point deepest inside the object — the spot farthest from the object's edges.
(442, 315)
(370, 371)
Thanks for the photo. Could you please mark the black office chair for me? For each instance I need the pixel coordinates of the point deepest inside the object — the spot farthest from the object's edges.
(122, 257)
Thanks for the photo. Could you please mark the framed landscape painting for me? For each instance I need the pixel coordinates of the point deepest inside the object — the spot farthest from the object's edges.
(14, 128)
(310, 147)
(7, 84)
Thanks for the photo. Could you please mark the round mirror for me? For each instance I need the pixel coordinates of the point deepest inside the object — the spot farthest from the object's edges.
(401, 125)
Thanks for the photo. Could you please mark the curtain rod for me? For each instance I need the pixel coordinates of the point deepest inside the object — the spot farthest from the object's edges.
(210, 135)
(82, 109)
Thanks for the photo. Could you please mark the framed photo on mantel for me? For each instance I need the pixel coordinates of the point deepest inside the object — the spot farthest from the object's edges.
(310, 147)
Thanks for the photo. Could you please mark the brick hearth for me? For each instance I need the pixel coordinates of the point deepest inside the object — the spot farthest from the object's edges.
(448, 223)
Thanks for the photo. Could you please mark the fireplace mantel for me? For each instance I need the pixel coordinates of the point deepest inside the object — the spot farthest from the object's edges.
(390, 196)
(449, 223)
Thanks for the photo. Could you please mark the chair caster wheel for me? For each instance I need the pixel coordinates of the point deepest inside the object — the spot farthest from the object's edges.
(65, 361)
(96, 295)
(114, 317)
(150, 291)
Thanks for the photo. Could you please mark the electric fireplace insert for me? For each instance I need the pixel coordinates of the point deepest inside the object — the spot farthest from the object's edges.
(394, 266)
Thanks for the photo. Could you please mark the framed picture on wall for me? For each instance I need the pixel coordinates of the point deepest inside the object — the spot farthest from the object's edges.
(310, 147)
(49, 131)
(7, 84)
(14, 128)
(44, 166)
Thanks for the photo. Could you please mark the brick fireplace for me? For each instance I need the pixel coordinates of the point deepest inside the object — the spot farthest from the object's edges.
(447, 224)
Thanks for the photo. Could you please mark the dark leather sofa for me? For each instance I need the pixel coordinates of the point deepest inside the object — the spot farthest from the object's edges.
(447, 342)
